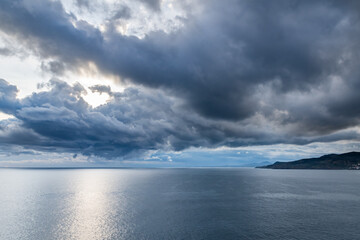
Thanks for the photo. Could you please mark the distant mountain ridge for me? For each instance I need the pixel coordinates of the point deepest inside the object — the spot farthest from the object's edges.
(350, 160)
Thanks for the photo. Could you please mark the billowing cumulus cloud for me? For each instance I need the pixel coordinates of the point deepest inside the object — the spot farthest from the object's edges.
(130, 123)
(236, 73)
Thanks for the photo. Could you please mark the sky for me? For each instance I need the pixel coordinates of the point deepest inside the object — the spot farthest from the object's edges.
(166, 83)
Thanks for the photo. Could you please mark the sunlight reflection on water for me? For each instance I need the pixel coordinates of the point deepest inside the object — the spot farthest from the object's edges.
(90, 216)
(178, 204)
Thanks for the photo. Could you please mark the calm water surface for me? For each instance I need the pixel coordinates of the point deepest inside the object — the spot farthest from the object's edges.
(179, 204)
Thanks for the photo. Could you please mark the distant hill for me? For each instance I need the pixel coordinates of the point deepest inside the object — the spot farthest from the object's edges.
(349, 160)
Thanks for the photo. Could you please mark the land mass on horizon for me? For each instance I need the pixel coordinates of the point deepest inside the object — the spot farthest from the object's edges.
(350, 160)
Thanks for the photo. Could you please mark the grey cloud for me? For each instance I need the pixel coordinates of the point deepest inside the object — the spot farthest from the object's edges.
(101, 89)
(124, 12)
(5, 52)
(8, 100)
(131, 123)
(54, 67)
(215, 60)
(153, 4)
(236, 68)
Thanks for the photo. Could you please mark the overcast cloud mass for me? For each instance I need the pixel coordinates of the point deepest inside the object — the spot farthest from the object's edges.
(195, 75)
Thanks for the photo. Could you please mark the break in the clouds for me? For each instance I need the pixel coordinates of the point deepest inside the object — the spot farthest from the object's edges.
(219, 73)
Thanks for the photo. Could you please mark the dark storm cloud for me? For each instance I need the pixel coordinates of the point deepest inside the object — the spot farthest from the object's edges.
(131, 123)
(60, 120)
(247, 72)
(54, 67)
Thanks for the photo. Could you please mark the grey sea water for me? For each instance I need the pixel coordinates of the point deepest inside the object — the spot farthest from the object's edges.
(179, 204)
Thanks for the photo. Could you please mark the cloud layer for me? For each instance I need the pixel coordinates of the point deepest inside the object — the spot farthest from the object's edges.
(236, 73)
(131, 123)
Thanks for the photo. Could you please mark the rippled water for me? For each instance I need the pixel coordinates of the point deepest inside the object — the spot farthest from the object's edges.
(179, 204)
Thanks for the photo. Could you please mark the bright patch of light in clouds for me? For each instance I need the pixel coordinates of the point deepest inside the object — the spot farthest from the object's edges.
(4, 116)
(22, 72)
(96, 99)
(25, 72)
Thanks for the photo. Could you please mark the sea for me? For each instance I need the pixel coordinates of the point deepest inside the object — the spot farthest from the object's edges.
(189, 203)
